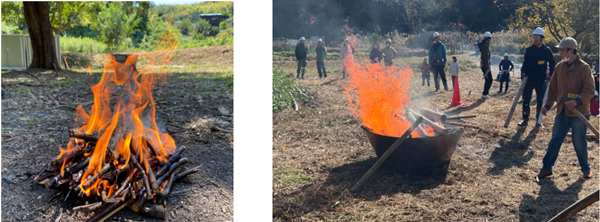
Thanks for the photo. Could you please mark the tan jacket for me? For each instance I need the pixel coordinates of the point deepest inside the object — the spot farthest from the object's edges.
(388, 54)
(568, 83)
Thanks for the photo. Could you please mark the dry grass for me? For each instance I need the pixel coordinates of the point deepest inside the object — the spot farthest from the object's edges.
(319, 152)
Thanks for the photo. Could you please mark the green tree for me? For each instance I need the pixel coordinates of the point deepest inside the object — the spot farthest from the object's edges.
(185, 27)
(115, 25)
(203, 28)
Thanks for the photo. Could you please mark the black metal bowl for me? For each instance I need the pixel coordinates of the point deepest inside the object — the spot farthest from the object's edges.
(417, 152)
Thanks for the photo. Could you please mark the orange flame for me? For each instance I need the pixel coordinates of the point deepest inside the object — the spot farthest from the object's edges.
(378, 96)
(129, 127)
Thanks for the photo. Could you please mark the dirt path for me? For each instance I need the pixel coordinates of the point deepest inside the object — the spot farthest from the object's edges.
(35, 122)
(319, 152)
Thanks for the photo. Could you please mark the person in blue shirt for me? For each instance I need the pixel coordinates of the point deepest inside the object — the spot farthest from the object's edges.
(437, 61)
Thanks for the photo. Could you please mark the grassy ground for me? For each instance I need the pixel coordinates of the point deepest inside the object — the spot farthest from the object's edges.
(319, 152)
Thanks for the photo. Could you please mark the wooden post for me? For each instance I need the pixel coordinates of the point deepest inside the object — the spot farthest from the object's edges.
(576, 207)
(515, 101)
(539, 120)
(433, 115)
(589, 125)
(419, 128)
(386, 154)
(461, 124)
(436, 127)
(461, 117)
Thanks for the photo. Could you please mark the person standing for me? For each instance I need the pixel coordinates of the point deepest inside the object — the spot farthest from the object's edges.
(345, 54)
(389, 53)
(536, 60)
(321, 54)
(301, 51)
(572, 88)
(454, 69)
(425, 72)
(437, 60)
(375, 54)
(505, 67)
(485, 64)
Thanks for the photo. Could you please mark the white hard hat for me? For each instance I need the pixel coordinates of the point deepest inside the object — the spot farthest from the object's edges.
(435, 34)
(320, 40)
(487, 35)
(388, 40)
(301, 38)
(346, 39)
(506, 54)
(539, 31)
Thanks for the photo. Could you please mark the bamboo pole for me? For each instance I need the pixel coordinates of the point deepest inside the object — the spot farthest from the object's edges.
(589, 125)
(515, 101)
(436, 127)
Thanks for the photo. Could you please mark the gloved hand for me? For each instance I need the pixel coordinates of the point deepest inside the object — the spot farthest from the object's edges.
(571, 104)
(523, 75)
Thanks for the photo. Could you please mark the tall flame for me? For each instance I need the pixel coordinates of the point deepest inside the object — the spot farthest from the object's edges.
(129, 128)
(378, 96)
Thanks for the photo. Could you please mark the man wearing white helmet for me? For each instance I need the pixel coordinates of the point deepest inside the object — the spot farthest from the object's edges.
(301, 51)
(345, 54)
(505, 67)
(321, 54)
(437, 61)
(388, 53)
(537, 59)
(485, 64)
(571, 87)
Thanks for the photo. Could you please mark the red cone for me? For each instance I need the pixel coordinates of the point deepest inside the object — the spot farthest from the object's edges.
(456, 95)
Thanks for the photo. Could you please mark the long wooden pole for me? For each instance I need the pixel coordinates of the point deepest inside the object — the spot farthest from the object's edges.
(419, 128)
(436, 127)
(386, 154)
(539, 120)
(576, 207)
(515, 101)
(589, 125)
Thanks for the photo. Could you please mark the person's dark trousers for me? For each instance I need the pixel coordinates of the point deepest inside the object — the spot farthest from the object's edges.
(453, 78)
(321, 69)
(425, 78)
(488, 83)
(438, 73)
(301, 66)
(539, 94)
(501, 82)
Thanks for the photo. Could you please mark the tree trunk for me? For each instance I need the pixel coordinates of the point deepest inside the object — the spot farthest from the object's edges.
(37, 16)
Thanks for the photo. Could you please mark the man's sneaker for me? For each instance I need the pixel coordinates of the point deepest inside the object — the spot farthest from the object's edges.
(485, 97)
(542, 174)
(524, 122)
(587, 175)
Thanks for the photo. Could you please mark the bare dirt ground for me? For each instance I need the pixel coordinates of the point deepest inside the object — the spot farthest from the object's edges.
(320, 152)
(36, 116)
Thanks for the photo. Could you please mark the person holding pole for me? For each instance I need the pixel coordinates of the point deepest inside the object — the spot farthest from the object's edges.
(537, 58)
(572, 88)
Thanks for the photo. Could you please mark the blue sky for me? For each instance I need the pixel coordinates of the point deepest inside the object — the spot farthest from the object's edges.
(175, 2)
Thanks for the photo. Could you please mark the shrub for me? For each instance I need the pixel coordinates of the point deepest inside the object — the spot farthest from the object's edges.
(285, 90)
(83, 45)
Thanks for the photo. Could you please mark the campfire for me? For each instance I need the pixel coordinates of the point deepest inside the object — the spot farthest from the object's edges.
(117, 156)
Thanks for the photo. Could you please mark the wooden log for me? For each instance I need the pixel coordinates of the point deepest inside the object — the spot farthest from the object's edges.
(151, 176)
(515, 101)
(539, 120)
(176, 156)
(460, 117)
(435, 126)
(433, 115)
(172, 169)
(462, 125)
(108, 211)
(587, 122)
(87, 206)
(419, 128)
(576, 207)
(386, 154)
(81, 135)
(188, 172)
(133, 160)
(137, 206)
(105, 169)
(80, 165)
(162, 195)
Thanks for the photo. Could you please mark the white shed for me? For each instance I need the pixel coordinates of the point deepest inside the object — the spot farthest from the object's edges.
(17, 52)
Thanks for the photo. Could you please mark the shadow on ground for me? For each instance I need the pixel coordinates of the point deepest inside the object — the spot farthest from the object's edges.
(549, 202)
(513, 153)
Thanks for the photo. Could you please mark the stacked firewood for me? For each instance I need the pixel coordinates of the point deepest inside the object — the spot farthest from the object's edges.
(143, 186)
(436, 121)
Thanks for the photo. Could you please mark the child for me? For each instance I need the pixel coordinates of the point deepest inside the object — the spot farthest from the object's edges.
(425, 72)
(454, 69)
(594, 106)
(505, 67)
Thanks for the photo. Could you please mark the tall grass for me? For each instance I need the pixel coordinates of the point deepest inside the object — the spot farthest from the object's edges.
(285, 90)
(83, 45)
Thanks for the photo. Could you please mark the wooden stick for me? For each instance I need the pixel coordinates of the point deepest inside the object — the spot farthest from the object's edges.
(151, 177)
(576, 207)
(81, 135)
(539, 120)
(435, 126)
(515, 101)
(172, 169)
(461, 124)
(188, 172)
(139, 204)
(144, 176)
(433, 115)
(162, 196)
(582, 118)
(87, 206)
(171, 161)
(386, 154)
(419, 128)
(460, 117)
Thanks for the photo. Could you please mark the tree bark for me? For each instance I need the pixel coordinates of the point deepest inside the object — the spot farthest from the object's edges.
(37, 16)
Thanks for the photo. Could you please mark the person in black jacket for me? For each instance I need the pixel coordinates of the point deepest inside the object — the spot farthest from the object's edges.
(537, 59)
(321, 54)
(375, 54)
(301, 51)
(485, 64)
